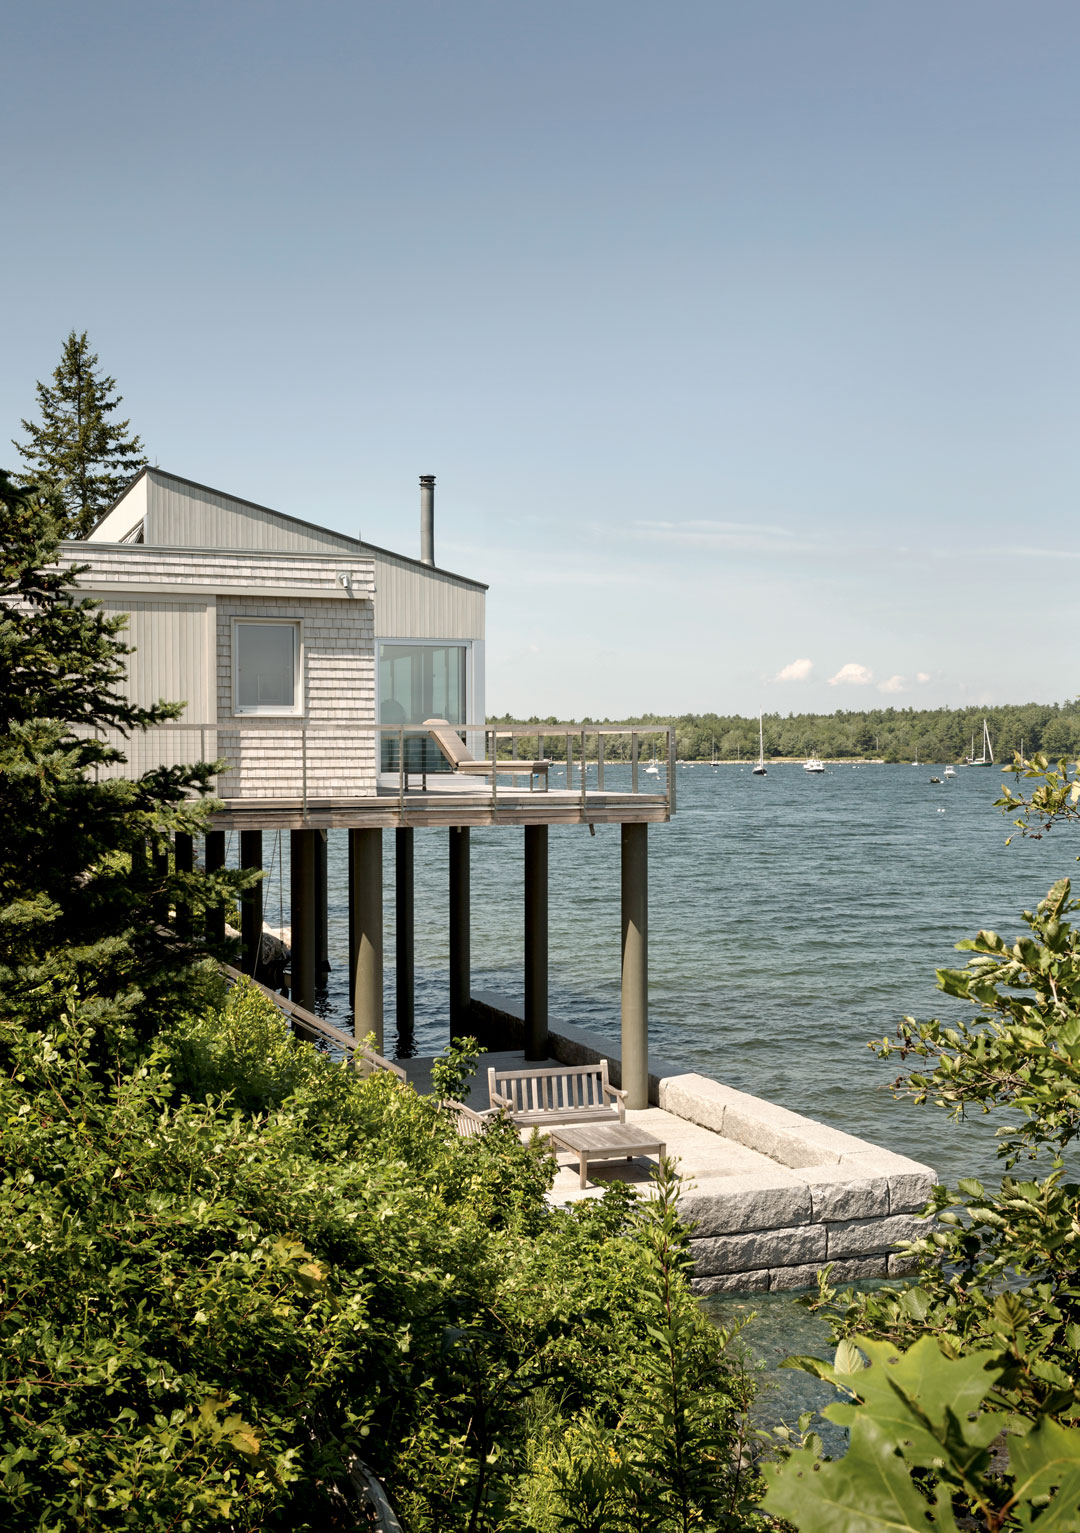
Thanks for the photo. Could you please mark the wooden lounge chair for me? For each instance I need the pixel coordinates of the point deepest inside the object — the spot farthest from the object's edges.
(462, 760)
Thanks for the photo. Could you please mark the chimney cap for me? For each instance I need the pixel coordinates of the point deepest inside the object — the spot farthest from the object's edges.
(427, 478)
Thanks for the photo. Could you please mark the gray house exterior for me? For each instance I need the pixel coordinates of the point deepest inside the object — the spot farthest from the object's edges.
(223, 597)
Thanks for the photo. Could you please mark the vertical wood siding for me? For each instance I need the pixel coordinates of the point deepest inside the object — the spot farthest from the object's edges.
(178, 515)
(413, 603)
(172, 662)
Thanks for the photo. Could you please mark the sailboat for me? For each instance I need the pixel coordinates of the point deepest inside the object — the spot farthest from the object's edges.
(759, 770)
(987, 757)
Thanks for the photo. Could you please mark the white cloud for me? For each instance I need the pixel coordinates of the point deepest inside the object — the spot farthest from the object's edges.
(894, 684)
(922, 676)
(852, 675)
(798, 670)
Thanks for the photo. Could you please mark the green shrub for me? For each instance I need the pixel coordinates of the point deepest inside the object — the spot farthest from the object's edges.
(213, 1301)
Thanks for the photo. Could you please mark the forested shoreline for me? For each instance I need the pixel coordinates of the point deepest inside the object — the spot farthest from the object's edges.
(887, 734)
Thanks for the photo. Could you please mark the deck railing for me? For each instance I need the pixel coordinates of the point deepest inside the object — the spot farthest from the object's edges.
(282, 758)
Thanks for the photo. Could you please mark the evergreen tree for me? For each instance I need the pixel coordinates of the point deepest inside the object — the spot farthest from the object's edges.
(77, 451)
(85, 875)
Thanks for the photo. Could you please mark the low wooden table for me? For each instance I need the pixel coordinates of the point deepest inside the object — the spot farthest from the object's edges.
(603, 1141)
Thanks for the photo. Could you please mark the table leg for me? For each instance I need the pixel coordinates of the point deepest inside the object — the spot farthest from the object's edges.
(583, 1162)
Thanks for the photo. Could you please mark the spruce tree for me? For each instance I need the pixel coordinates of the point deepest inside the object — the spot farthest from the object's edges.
(78, 451)
(85, 874)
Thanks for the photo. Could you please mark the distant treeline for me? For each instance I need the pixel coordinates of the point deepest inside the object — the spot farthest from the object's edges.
(891, 734)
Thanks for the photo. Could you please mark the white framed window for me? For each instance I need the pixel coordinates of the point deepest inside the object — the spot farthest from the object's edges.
(267, 672)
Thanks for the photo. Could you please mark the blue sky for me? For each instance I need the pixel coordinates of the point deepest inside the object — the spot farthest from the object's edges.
(742, 339)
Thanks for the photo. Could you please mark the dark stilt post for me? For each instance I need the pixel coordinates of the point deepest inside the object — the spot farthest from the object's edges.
(302, 915)
(184, 857)
(251, 903)
(159, 861)
(460, 956)
(213, 860)
(366, 932)
(322, 916)
(635, 964)
(405, 938)
(536, 941)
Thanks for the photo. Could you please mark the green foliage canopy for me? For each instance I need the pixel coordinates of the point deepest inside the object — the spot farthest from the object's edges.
(215, 1305)
(77, 450)
(75, 883)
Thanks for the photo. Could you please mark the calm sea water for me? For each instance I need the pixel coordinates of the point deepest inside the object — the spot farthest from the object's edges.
(792, 919)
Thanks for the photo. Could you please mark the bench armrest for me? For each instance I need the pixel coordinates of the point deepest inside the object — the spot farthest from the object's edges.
(498, 1101)
(620, 1096)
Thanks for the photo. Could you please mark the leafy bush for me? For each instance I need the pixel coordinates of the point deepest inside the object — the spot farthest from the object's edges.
(236, 1267)
(922, 1450)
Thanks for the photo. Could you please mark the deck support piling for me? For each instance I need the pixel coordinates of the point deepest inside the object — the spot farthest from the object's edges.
(322, 899)
(159, 862)
(213, 860)
(635, 964)
(251, 903)
(184, 861)
(536, 941)
(405, 929)
(460, 933)
(302, 915)
(366, 932)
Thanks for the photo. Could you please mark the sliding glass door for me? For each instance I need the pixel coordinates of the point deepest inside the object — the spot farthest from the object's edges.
(418, 682)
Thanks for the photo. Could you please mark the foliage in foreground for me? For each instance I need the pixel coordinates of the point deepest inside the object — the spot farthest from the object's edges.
(213, 1303)
(922, 1450)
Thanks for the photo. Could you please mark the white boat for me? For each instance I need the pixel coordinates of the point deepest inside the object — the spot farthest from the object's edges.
(759, 770)
(987, 757)
(950, 771)
(653, 768)
(813, 765)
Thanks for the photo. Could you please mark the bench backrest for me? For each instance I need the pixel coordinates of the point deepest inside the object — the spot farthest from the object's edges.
(563, 1088)
(449, 741)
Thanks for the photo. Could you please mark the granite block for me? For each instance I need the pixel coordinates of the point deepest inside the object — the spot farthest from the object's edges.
(752, 1200)
(865, 1237)
(760, 1248)
(730, 1282)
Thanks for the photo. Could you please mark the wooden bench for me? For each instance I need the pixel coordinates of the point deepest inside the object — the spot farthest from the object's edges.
(551, 1094)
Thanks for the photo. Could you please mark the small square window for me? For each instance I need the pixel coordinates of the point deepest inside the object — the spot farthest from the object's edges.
(266, 667)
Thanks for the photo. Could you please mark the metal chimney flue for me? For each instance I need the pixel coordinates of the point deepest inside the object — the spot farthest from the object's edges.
(427, 518)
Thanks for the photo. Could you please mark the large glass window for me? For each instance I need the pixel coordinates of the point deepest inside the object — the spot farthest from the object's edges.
(266, 667)
(418, 682)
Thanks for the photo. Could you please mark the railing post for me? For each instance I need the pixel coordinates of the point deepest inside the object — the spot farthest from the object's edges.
(401, 771)
(671, 770)
(633, 760)
(600, 761)
(584, 771)
(494, 764)
(569, 762)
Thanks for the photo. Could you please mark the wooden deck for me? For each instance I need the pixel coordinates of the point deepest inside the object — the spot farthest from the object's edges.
(462, 805)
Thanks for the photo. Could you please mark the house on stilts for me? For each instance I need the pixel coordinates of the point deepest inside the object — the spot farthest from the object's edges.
(310, 663)
(342, 687)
